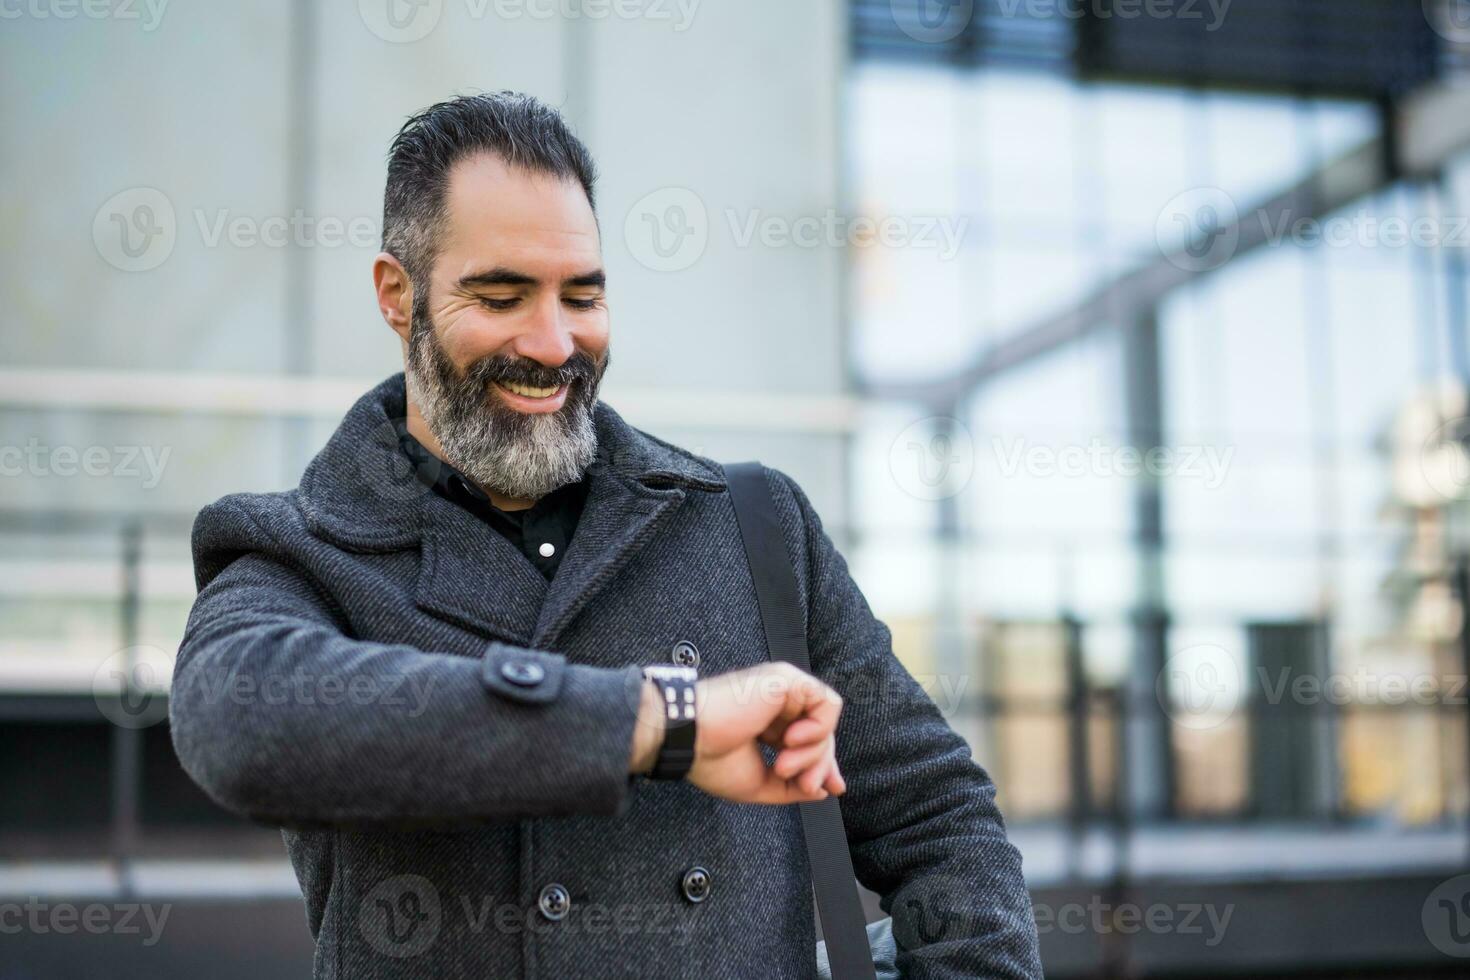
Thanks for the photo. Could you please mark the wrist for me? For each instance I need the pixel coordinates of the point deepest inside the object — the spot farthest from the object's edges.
(648, 730)
(677, 695)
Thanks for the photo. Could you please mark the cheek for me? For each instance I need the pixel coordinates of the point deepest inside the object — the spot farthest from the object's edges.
(472, 333)
(593, 337)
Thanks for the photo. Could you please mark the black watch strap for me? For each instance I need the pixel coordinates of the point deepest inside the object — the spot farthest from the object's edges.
(676, 689)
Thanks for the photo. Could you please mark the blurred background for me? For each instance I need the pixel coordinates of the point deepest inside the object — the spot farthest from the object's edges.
(1121, 344)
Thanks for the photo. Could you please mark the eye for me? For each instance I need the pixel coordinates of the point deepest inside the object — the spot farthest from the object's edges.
(581, 304)
(498, 305)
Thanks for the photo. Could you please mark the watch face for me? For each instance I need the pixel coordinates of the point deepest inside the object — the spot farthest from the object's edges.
(667, 672)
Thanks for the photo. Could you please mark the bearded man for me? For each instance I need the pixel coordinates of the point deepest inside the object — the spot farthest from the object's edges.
(446, 663)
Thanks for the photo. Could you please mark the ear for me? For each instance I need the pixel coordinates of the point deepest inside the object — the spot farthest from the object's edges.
(395, 293)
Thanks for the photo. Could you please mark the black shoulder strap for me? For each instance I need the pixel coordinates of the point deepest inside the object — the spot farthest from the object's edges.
(838, 905)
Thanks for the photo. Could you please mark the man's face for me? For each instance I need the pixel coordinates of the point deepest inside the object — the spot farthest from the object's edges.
(509, 341)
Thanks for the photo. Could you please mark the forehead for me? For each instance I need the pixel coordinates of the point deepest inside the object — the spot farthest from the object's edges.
(499, 214)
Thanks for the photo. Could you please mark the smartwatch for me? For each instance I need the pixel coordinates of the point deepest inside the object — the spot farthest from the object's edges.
(676, 688)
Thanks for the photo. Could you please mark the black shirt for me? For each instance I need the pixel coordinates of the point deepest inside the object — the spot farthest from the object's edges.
(541, 531)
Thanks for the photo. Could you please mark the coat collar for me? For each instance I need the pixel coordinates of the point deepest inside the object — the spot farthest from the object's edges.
(361, 493)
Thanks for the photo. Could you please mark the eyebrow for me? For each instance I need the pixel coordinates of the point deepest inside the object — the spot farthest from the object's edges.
(503, 276)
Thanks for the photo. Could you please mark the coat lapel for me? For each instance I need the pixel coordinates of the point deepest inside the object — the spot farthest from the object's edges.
(360, 492)
(620, 516)
(470, 575)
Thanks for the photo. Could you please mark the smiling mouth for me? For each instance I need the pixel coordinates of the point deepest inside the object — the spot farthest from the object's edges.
(529, 391)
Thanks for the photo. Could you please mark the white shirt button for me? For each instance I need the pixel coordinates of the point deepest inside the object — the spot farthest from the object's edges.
(547, 550)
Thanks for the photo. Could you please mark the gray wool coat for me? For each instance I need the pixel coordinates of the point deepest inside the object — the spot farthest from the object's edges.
(444, 735)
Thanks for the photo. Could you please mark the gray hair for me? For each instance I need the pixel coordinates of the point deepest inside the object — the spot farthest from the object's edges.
(517, 128)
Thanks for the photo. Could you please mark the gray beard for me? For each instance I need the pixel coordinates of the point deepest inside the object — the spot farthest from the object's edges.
(511, 453)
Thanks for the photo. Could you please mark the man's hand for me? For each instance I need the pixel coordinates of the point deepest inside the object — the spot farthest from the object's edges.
(773, 703)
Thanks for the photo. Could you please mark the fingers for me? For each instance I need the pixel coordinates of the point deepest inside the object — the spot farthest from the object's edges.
(817, 702)
(791, 763)
(804, 731)
(780, 706)
(808, 709)
(815, 784)
(811, 780)
(808, 761)
(834, 783)
(824, 778)
(813, 768)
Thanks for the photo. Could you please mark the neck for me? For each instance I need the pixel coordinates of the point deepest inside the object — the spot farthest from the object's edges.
(419, 429)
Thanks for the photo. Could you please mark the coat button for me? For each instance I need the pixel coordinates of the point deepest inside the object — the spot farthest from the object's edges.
(523, 673)
(685, 654)
(696, 884)
(554, 902)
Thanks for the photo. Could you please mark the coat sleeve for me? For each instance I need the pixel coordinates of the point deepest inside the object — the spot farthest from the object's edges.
(920, 815)
(280, 716)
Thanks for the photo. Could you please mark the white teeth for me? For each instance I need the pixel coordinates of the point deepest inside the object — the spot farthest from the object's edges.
(528, 391)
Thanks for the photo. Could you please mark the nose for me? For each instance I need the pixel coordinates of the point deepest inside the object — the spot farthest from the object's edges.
(547, 337)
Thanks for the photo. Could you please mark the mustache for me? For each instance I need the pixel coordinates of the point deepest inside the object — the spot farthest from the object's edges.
(525, 371)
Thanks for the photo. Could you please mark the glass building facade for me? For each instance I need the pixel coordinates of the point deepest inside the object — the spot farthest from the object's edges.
(1197, 561)
(1138, 403)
